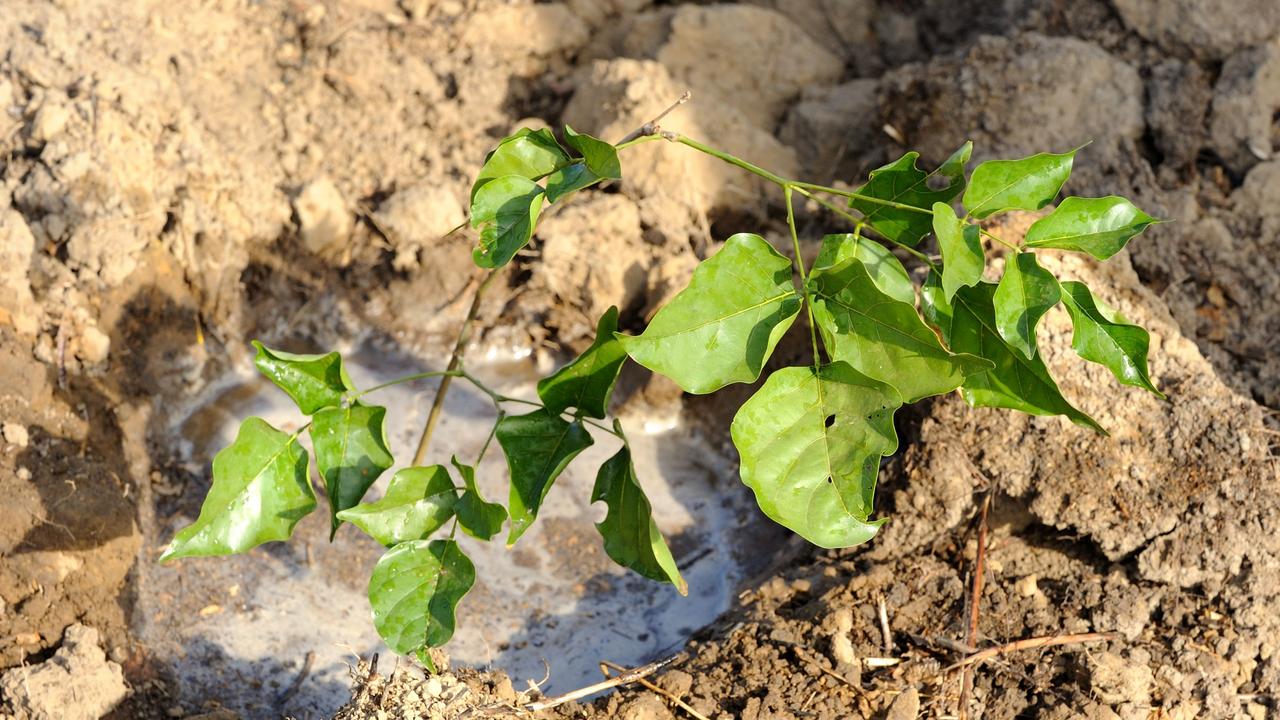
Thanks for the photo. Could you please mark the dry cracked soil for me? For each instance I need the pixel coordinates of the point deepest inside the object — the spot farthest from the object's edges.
(177, 178)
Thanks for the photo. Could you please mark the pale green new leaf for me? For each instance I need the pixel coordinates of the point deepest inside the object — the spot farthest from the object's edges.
(351, 452)
(631, 537)
(538, 446)
(313, 381)
(722, 327)
(506, 211)
(886, 270)
(261, 489)
(903, 183)
(1017, 383)
(530, 154)
(587, 382)
(811, 444)
(1026, 184)
(1101, 337)
(882, 337)
(599, 162)
(1026, 292)
(962, 258)
(414, 593)
(1098, 226)
(477, 518)
(418, 502)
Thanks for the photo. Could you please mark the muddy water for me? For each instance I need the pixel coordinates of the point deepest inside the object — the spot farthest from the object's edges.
(238, 628)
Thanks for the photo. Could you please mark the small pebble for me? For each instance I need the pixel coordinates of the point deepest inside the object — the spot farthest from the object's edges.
(16, 434)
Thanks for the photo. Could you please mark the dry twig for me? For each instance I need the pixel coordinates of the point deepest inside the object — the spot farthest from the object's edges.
(605, 666)
(624, 679)
(1032, 644)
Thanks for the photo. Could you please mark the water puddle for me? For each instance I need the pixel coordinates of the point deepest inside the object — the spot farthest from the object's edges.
(238, 629)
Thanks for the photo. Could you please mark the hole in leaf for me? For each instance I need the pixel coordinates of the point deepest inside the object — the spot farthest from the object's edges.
(829, 480)
(831, 420)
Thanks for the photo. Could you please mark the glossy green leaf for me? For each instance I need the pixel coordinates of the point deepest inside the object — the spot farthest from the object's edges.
(351, 452)
(414, 592)
(587, 382)
(903, 183)
(418, 502)
(530, 154)
(1026, 292)
(886, 270)
(1026, 184)
(935, 306)
(811, 444)
(884, 338)
(631, 537)
(599, 162)
(477, 518)
(313, 381)
(1098, 226)
(261, 489)
(1016, 382)
(1101, 337)
(961, 247)
(506, 211)
(722, 327)
(538, 447)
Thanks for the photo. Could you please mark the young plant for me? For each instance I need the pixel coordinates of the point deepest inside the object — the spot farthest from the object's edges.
(810, 439)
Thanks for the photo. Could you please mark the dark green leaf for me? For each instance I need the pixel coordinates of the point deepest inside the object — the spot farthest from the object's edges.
(631, 537)
(903, 183)
(1101, 337)
(1016, 382)
(414, 592)
(811, 445)
(351, 452)
(261, 489)
(884, 338)
(599, 162)
(1026, 292)
(477, 518)
(962, 258)
(935, 306)
(1026, 184)
(418, 501)
(530, 154)
(506, 211)
(538, 447)
(313, 381)
(721, 328)
(886, 270)
(1098, 226)
(587, 382)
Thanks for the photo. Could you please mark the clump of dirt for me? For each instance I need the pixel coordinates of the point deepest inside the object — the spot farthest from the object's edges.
(77, 683)
(446, 695)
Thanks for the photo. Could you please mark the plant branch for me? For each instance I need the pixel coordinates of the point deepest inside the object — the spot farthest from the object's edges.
(731, 159)
(405, 379)
(1034, 643)
(975, 604)
(858, 196)
(650, 129)
(804, 274)
(625, 678)
(455, 366)
(860, 222)
(1007, 244)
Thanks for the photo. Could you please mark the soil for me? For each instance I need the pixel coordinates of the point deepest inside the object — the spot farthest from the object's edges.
(178, 178)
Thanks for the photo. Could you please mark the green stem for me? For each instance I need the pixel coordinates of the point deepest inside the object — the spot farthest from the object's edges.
(732, 160)
(804, 275)
(860, 222)
(405, 379)
(603, 427)
(454, 367)
(858, 196)
(1009, 245)
(492, 432)
(637, 141)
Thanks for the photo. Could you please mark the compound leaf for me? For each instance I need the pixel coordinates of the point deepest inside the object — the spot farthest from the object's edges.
(962, 258)
(506, 211)
(587, 382)
(811, 443)
(477, 518)
(414, 592)
(903, 183)
(418, 501)
(1101, 337)
(530, 154)
(1017, 382)
(351, 452)
(599, 162)
(261, 489)
(1098, 226)
(538, 447)
(631, 537)
(1026, 184)
(1026, 292)
(313, 381)
(886, 270)
(882, 337)
(722, 327)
